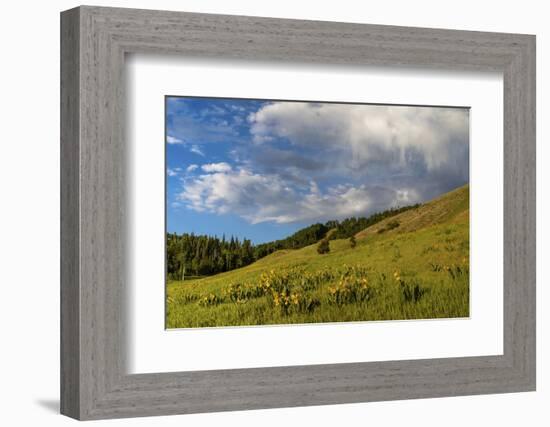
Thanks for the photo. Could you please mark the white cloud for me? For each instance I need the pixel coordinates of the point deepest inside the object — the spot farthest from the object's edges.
(361, 135)
(216, 167)
(173, 140)
(314, 162)
(173, 171)
(268, 198)
(197, 150)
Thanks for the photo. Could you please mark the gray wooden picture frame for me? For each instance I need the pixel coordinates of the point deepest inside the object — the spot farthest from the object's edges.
(94, 381)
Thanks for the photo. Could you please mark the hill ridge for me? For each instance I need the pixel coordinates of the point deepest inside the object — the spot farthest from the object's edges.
(448, 207)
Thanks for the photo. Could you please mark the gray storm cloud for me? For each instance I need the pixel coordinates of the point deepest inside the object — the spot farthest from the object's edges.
(362, 135)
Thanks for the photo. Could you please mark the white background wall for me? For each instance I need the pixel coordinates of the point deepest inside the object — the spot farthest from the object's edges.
(29, 212)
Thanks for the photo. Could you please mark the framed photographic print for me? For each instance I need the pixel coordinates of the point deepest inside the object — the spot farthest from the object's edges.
(307, 212)
(262, 213)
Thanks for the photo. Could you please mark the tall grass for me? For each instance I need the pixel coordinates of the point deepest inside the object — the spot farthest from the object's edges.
(345, 294)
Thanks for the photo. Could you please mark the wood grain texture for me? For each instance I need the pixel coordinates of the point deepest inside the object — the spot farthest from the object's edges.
(94, 382)
(70, 297)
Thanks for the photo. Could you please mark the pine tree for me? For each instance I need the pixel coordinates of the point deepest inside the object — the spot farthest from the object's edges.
(323, 247)
(352, 242)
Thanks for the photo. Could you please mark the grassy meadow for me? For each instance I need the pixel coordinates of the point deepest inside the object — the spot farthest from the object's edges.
(414, 265)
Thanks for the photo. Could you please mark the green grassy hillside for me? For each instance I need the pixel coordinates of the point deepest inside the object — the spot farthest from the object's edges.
(452, 207)
(414, 265)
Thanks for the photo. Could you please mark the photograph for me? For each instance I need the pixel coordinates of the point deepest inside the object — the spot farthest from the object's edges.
(297, 212)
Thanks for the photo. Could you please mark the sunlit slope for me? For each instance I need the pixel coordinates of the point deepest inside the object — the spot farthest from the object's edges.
(424, 248)
(452, 207)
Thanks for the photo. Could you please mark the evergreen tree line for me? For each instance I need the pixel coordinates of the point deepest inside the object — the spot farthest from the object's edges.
(351, 226)
(199, 255)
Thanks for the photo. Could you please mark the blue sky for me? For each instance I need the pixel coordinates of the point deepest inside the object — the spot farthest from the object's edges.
(264, 169)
